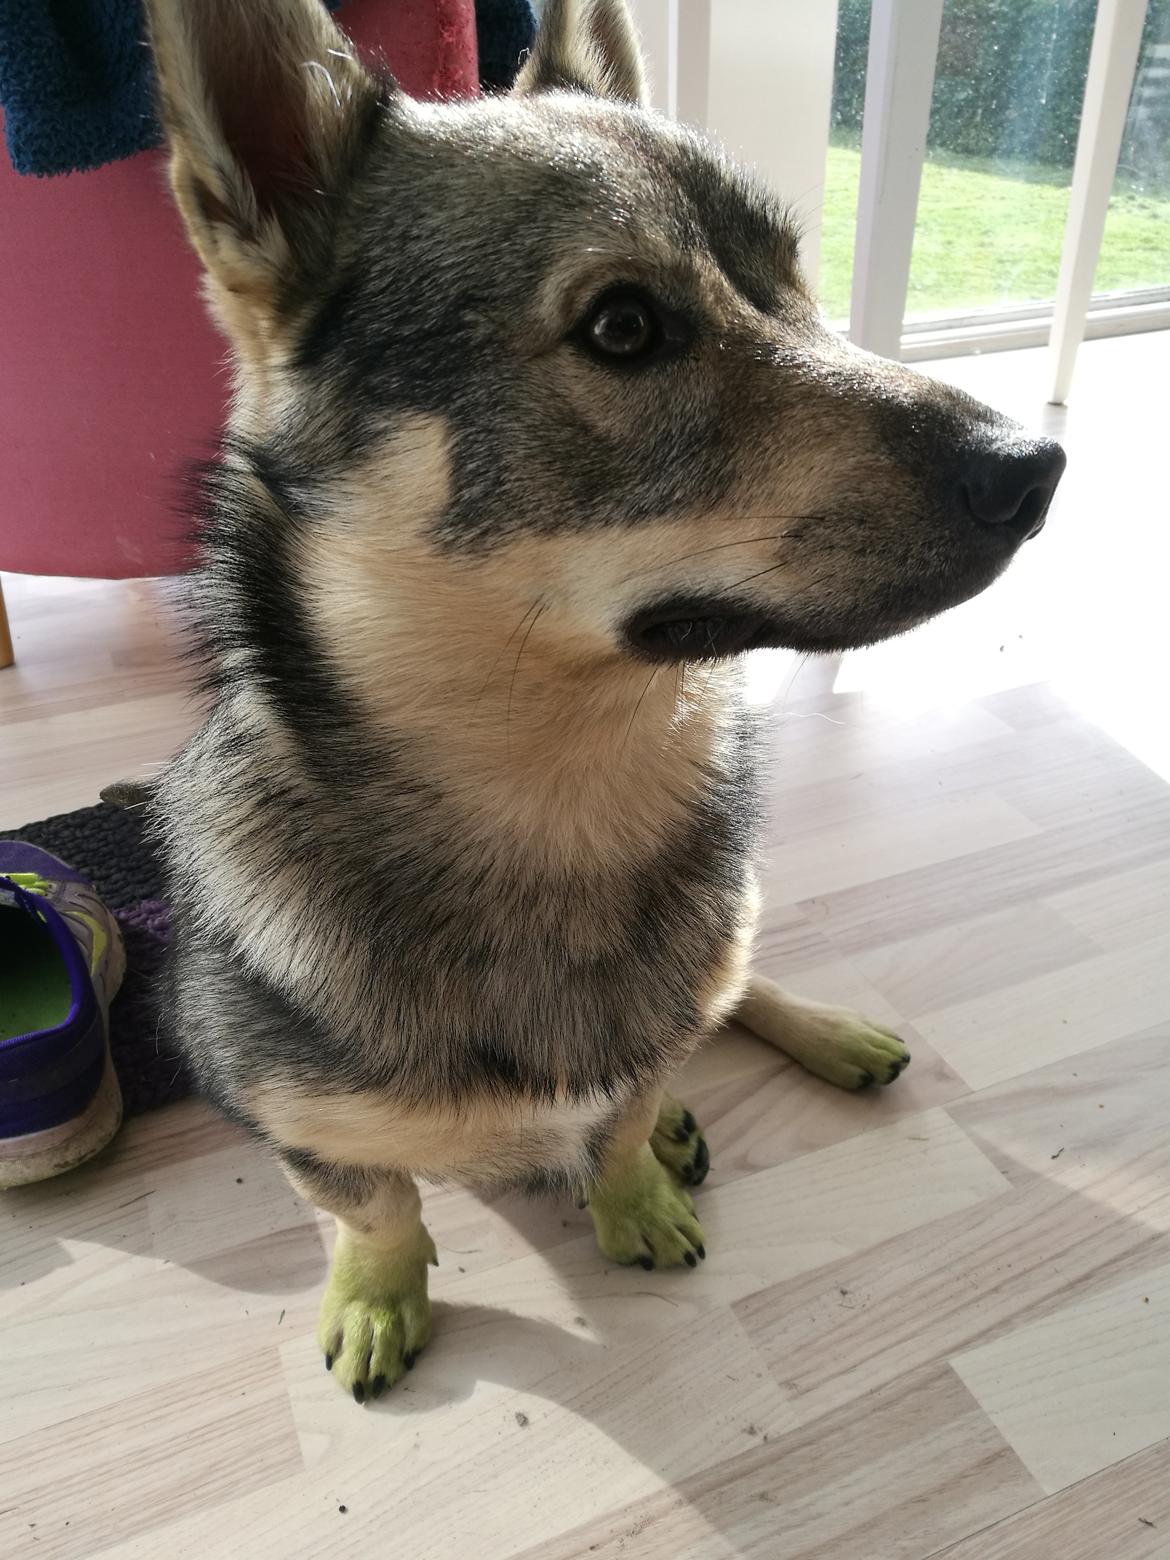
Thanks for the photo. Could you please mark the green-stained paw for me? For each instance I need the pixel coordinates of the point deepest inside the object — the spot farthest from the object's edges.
(641, 1214)
(852, 1051)
(679, 1144)
(375, 1315)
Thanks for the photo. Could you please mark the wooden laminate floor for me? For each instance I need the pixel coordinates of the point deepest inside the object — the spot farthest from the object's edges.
(934, 1321)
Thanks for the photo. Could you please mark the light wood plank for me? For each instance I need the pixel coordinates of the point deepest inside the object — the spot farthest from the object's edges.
(98, 1476)
(1058, 1014)
(909, 903)
(1083, 1387)
(1089, 1160)
(976, 958)
(1123, 1513)
(824, 860)
(835, 738)
(919, 1462)
(446, 1464)
(1122, 909)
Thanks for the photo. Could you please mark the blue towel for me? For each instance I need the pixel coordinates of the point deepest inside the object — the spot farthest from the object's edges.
(504, 32)
(77, 85)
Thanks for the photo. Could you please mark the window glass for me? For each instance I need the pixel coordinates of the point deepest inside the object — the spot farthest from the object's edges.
(1002, 140)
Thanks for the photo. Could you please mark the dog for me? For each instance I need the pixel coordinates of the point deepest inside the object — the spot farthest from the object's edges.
(536, 429)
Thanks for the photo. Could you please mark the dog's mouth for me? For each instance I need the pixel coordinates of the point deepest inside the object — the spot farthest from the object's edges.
(702, 629)
(712, 628)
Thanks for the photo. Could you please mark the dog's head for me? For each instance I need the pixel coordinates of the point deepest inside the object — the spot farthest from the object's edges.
(549, 360)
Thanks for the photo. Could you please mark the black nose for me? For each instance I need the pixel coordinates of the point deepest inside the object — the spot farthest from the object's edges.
(1012, 484)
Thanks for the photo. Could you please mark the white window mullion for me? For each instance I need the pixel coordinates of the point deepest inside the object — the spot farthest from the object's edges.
(657, 22)
(1117, 39)
(771, 95)
(676, 42)
(899, 84)
(758, 74)
(693, 55)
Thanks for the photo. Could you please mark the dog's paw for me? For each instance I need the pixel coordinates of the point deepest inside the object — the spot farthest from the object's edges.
(641, 1214)
(853, 1052)
(679, 1144)
(375, 1314)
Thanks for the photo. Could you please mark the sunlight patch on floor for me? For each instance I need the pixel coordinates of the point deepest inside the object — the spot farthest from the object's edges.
(769, 675)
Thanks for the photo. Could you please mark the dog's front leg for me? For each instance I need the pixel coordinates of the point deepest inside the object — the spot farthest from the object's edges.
(375, 1314)
(834, 1042)
(641, 1210)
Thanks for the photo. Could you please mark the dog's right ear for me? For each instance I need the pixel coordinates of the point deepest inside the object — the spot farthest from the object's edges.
(586, 46)
(265, 108)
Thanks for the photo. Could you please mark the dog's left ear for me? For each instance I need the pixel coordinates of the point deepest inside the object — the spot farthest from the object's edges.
(586, 46)
(265, 109)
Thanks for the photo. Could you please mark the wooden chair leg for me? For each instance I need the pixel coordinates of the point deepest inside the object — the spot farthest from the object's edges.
(6, 655)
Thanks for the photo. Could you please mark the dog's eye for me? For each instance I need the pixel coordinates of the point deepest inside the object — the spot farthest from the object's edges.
(622, 326)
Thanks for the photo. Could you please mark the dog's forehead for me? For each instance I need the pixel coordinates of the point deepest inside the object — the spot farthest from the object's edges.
(564, 157)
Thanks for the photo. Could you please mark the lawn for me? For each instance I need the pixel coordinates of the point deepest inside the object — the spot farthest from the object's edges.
(989, 236)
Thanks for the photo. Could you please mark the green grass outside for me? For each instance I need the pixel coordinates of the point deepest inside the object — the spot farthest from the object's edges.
(990, 235)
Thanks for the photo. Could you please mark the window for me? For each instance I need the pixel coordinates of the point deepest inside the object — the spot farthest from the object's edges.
(1005, 113)
(1135, 252)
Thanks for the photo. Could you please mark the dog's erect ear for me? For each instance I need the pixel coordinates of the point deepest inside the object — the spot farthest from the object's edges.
(586, 46)
(265, 108)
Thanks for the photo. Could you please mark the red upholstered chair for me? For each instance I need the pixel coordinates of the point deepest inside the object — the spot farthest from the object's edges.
(111, 375)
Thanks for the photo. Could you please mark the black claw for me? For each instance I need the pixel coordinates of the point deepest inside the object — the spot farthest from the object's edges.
(681, 1135)
(377, 1386)
(689, 1122)
(866, 1080)
(409, 1358)
(702, 1250)
(688, 1171)
(329, 1362)
(647, 1263)
(359, 1392)
(690, 1259)
(702, 1161)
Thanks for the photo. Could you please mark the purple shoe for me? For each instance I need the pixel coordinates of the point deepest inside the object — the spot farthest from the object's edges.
(61, 962)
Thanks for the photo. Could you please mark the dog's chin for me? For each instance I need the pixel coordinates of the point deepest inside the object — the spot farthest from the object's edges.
(712, 628)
